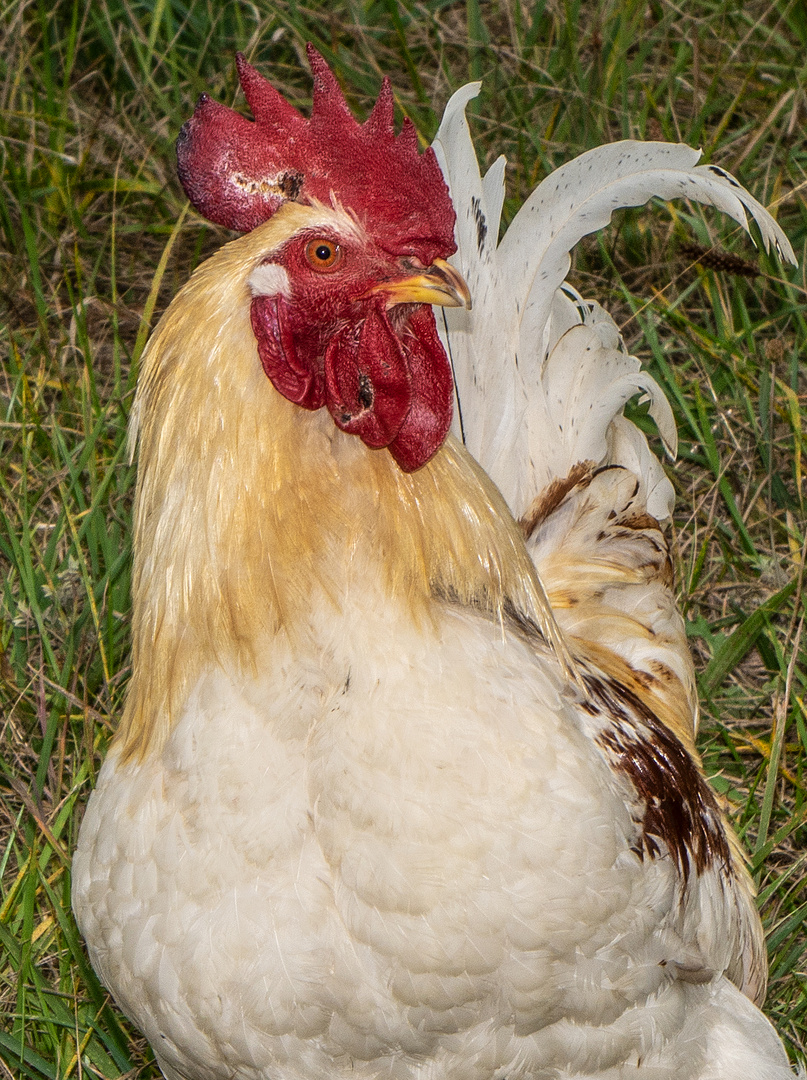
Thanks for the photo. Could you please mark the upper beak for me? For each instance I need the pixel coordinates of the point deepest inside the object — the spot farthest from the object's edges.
(436, 284)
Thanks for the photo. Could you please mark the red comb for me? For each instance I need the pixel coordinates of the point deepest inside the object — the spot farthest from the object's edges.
(237, 172)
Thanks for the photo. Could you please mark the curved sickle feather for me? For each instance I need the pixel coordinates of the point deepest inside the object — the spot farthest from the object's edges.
(522, 305)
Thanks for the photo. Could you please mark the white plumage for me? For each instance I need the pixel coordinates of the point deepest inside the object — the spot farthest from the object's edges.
(395, 814)
(521, 309)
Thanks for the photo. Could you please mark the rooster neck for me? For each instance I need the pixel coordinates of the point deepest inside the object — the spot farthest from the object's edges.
(250, 511)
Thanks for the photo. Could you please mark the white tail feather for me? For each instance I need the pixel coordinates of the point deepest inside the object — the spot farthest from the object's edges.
(515, 412)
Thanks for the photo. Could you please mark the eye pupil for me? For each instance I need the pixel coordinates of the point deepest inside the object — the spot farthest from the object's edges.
(323, 254)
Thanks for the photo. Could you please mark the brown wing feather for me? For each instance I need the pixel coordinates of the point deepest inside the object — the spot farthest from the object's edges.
(605, 565)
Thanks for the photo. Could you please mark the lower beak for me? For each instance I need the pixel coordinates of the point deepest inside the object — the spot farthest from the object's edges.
(438, 284)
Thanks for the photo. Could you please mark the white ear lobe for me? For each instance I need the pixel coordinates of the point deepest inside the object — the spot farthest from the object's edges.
(269, 279)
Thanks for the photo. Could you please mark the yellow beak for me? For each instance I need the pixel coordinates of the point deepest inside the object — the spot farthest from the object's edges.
(437, 284)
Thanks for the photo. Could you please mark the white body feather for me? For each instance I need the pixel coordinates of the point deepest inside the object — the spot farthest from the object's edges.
(332, 870)
(409, 849)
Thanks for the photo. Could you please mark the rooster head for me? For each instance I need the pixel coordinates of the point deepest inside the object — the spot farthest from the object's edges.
(340, 308)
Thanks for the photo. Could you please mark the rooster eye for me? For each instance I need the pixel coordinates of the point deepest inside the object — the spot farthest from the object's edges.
(323, 254)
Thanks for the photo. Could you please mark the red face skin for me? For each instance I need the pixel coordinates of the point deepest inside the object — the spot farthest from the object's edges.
(380, 370)
(342, 338)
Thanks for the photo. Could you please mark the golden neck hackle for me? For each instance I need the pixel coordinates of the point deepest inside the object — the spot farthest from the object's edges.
(248, 506)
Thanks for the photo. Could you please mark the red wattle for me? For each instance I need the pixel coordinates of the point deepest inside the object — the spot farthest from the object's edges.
(426, 426)
(391, 387)
(300, 383)
(367, 381)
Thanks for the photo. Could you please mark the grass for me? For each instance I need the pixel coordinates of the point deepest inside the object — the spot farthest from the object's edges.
(94, 244)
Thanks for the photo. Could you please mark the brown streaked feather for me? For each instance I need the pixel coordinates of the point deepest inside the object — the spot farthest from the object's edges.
(553, 495)
(606, 568)
(678, 809)
(605, 564)
(677, 812)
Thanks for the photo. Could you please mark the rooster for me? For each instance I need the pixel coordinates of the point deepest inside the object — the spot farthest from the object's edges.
(406, 784)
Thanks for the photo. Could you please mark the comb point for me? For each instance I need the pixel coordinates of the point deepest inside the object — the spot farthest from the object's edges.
(267, 104)
(380, 122)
